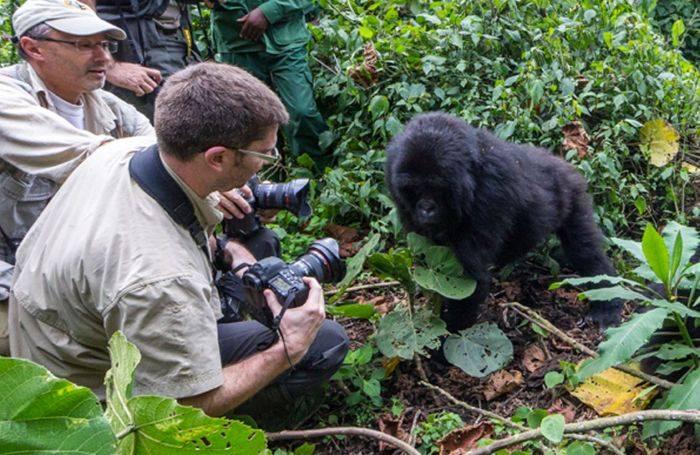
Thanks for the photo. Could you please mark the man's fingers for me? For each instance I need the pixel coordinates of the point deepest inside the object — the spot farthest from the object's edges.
(154, 74)
(272, 302)
(246, 191)
(315, 298)
(230, 209)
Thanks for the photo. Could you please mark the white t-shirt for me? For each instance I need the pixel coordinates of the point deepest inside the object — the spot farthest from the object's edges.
(74, 113)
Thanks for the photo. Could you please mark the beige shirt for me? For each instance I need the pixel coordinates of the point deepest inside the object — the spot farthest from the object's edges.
(39, 148)
(104, 256)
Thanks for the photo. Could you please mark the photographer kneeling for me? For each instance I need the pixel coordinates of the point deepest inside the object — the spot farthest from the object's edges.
(124, 246)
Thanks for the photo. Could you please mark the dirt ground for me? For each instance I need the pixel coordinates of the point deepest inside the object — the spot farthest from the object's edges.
(520, 384)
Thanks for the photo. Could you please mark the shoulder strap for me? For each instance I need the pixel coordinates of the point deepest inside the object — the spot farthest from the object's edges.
(147, 169)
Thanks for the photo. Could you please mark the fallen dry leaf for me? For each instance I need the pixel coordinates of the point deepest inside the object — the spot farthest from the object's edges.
(346, 237)
(576, 137)
(564, 408)
(614, 392)
(391, 425)
(533, 358)
(461, 440)
(502, 382)
(390, 365)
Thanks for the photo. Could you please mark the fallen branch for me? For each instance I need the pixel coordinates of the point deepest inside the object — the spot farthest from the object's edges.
(385, 284)
(539, 320)
(595, 424)
(510, 423)
(332, 431)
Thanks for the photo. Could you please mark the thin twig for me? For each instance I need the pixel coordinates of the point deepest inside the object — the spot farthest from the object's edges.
(385, 284)
(510, 423)
(331, 431)
(328, 68)
(539, 320)
(412, 432)
(595, 424)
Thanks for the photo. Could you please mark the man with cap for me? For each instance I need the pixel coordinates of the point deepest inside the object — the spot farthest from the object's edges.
(53, 114)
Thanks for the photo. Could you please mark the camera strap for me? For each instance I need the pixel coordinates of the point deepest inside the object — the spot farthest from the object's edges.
(147, 169)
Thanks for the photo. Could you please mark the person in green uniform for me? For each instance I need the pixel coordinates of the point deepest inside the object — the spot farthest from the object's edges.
(268, 38)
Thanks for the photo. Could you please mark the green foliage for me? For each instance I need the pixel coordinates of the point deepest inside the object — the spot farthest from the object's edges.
(552, 427)
(667, 14)
(479, 350)
(553, 379)
(361, 371)
(403, 334)
(523, 69)
(684, 396)
(435, 427)
(8, 52)
(39, 412)
(442, 272)
(354, 266)
(151, 424)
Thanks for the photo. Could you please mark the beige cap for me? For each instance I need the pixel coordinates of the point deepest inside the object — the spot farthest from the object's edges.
(67, 16)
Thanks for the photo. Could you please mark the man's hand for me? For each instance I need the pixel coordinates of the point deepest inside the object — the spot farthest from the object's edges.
(300, 325)
(139, 79)
(234, 204)
(253, 25)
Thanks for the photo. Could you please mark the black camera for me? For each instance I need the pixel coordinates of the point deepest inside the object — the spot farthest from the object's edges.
(290, 196)
(321, 261)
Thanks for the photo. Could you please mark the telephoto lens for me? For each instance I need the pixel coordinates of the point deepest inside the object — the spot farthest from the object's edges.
(292, 196)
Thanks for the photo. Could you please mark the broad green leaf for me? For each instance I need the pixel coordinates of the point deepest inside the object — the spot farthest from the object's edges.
(165, 427)
(40, 413)
(395, 265)
(676, 255)
(354, 267)
(677, 30)
(580, 448)
(352, 310)
(552, 427)
(401, 334)
(623, 341)
(676, 307)
(632, 247)
(308, 449)
(614, 292)
(682, 397)
(611, 280)
(656, 253)
(379, 105)
(676, 351)
(553, 379)
(535, 417)
(479, 350)
(443, 273)
(690, 241)
(159, 425)
(452, 287)
(659, 142)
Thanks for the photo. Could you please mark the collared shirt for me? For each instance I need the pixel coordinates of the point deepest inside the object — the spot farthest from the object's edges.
(39, 149)
(104, 256)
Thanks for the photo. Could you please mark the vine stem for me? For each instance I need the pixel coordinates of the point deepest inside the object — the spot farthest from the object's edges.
(517, 426)
(534, 317)
(354, 431)
(595, 424)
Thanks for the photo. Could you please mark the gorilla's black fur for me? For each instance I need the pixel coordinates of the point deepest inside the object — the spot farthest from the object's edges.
(491, 202)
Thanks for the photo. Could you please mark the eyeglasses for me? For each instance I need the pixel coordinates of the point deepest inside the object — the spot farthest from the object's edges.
(270, 155)
(83, 45)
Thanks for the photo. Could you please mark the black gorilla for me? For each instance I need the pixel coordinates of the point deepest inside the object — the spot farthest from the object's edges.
(491, 202)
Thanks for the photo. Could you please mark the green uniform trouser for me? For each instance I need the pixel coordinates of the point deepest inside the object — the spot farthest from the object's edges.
(289, 75)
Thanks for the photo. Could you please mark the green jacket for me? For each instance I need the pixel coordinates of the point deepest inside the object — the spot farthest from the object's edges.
(287, 27)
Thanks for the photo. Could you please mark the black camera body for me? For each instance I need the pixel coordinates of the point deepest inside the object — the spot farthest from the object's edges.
(290, 196)
(322, 261)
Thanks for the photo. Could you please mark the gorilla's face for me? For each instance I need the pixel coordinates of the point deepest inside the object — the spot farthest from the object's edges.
(423, 206)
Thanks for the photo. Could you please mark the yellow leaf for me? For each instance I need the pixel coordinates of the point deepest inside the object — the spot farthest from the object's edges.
(614, 392)
(659, 141)
(692, 170)
(390, 365)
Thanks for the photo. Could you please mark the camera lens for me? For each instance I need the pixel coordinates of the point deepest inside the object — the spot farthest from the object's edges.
(291, 196)
(322, 261)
